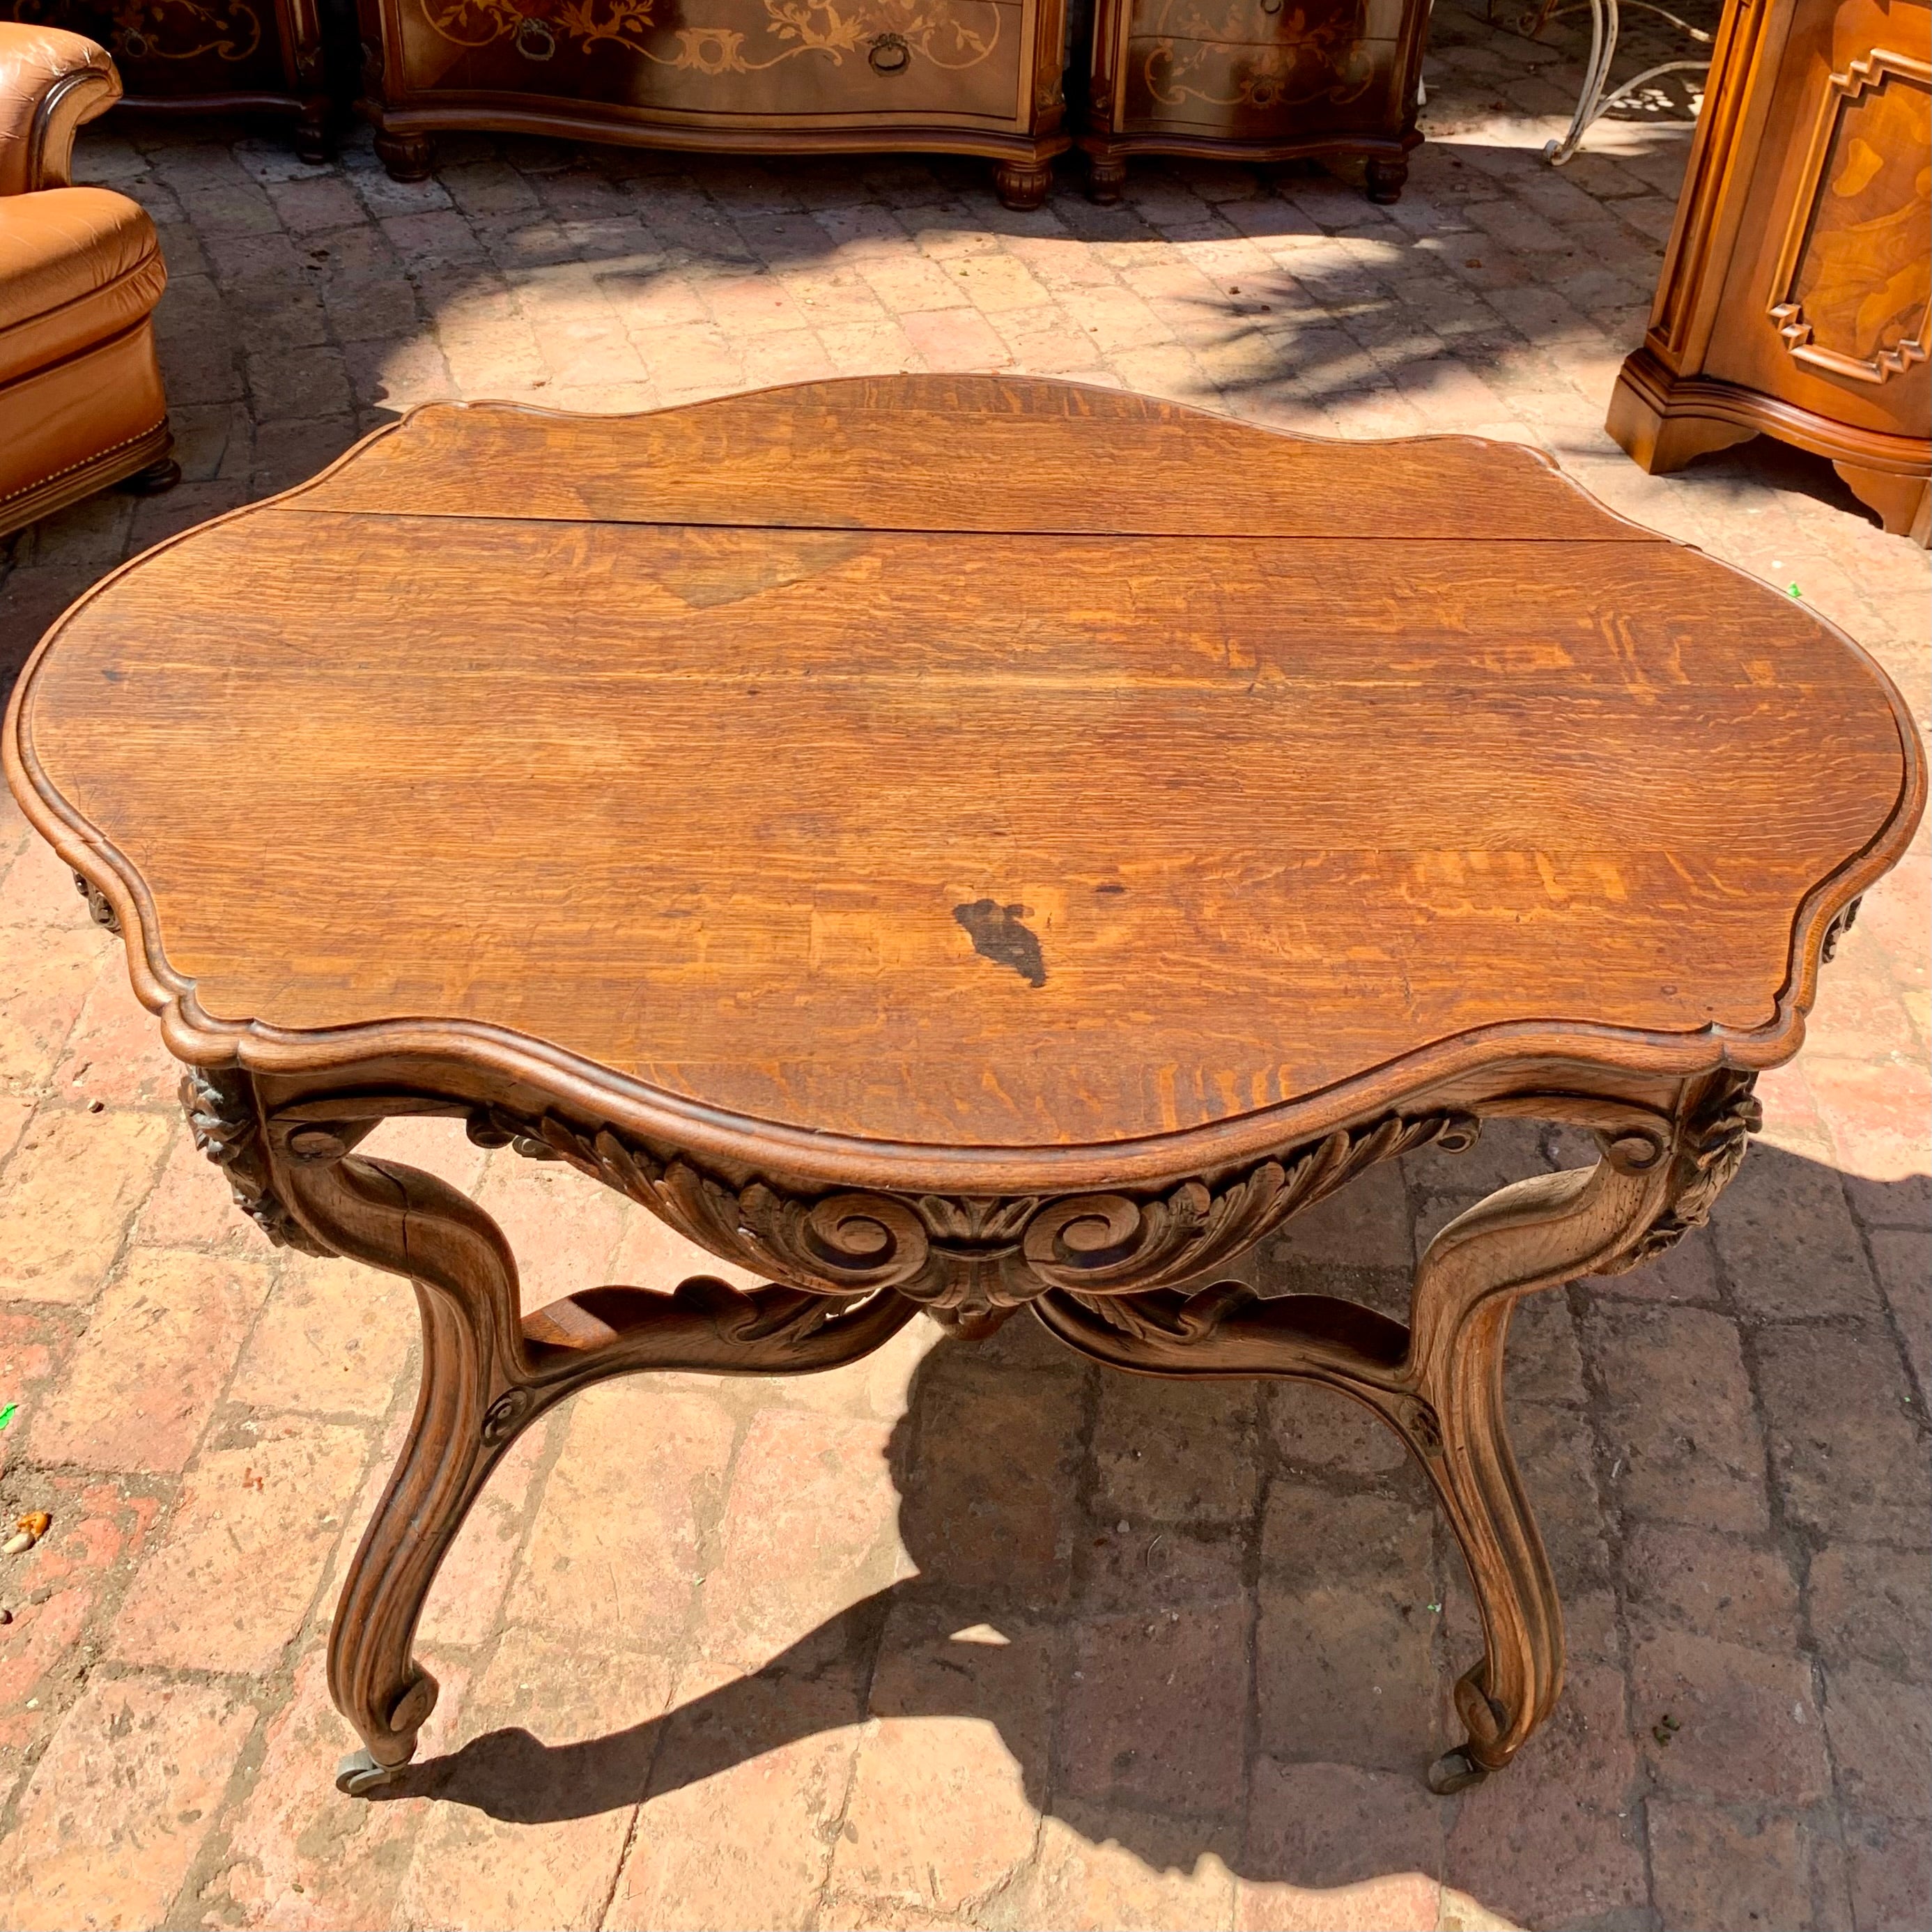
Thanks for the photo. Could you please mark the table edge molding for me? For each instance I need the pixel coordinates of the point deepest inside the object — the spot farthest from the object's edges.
(118, 897)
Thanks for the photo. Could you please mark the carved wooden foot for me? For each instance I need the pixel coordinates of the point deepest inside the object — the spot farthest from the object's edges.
(406, 157)
(313, 142)
(1386, 176)
(1106, 176)
(1901, 502)
(1023, 184)
(153, 480)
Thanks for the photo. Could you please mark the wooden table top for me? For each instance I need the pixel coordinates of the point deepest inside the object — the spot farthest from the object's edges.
(976, 764)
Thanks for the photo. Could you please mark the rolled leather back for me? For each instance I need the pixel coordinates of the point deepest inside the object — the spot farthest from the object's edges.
(50, 82)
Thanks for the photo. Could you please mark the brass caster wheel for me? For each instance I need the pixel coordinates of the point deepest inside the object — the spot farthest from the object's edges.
(358, 1774)
(1455, 1771)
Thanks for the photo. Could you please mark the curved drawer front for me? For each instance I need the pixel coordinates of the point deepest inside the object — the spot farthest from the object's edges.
(1261, 70)
(170, 48)
(844, 62)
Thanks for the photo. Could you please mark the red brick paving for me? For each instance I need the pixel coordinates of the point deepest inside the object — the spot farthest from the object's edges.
(956, 1638)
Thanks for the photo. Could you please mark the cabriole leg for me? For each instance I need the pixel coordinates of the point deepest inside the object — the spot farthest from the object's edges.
(1438, 1382)
(474, 1400)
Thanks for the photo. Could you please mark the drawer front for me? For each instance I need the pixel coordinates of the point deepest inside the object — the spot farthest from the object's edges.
(835, 62)
(1259, 70)
(168, 49)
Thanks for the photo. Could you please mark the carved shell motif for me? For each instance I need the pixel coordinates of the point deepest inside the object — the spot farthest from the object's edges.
(975, 1256)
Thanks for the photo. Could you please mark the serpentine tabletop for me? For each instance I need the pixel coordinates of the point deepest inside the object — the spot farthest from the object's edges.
(967, 845)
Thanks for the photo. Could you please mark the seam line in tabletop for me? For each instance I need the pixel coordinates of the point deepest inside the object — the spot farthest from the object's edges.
(950, 530)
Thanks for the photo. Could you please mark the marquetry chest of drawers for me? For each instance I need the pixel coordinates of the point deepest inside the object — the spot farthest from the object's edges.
(1255, 80)
(206, 56)
(764, 77)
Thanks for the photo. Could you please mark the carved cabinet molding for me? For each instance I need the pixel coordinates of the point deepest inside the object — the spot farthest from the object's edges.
(1796, 296)
(748, 76)
(1255, 80)
(207, 56)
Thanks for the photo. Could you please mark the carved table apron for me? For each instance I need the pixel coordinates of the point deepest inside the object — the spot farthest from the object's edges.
(936, 883)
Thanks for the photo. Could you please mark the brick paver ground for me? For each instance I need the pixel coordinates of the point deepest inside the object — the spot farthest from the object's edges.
(956, 1637)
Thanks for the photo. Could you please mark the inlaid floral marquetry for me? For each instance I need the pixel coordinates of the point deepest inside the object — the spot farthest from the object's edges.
(201, 56)
(1856, 282)
(770, 76)
(941, 885)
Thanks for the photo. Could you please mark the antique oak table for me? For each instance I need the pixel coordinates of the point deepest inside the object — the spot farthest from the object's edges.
(967, 845)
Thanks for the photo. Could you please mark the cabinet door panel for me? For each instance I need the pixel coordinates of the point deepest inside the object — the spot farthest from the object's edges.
(1826, 300)
(839, 61)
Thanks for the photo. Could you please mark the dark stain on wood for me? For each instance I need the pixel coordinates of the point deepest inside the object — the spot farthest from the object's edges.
(996, 934)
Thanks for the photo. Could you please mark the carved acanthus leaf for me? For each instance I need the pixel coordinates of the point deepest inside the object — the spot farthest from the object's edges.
(221, 1116)
(1710, 1150)
(1842, 923)
(99, 908)
(975, 1255)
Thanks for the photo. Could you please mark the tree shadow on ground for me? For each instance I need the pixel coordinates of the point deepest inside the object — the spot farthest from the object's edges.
(1223, 1617)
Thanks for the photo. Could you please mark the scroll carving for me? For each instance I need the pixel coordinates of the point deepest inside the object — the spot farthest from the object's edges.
(100, 909)
(221, 1116)
(1710, 1150)
(890, 31)
(1842, 923)
(978, 1257)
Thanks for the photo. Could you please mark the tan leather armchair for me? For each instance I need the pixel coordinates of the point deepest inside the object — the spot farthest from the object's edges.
(81, 405)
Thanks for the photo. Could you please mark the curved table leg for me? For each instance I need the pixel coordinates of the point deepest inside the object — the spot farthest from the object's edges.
(1537, 1234)
(487, 1376)
(1438, 1382)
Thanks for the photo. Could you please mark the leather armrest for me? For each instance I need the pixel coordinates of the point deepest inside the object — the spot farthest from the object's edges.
(50, 82)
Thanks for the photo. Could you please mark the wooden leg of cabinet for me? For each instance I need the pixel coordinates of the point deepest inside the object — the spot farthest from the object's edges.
(313, 142)
(408, 157)
(1901, 502)
(1386, 176)
(1106, 176)
(1656, 438)
(1023, 184)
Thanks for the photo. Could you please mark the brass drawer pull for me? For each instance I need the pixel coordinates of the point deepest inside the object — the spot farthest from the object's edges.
(890, 54)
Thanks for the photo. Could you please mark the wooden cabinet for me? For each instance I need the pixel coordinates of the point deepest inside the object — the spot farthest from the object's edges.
(1795, 293)
(1255, 80)
(763, 77)
(206, 56)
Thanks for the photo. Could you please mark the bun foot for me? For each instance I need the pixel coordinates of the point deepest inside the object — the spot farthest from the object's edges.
(1454, 1771)
(1385, 179)
(1104, 180)
(153, 480)
(358, 1775)
(1023, 184)
(406, 157)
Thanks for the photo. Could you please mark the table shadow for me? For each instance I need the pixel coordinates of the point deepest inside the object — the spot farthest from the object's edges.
(1219, 1616)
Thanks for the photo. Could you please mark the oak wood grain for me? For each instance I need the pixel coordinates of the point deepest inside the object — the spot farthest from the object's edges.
(965, 843)
(944, 834)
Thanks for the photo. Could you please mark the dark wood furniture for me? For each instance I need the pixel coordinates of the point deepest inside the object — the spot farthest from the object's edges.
(1796, 295)
(1256, 81)
(938, 884)
(745, 77)
(207, 56)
